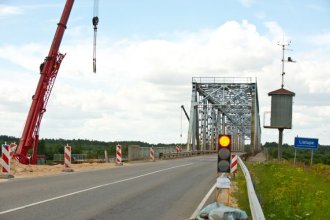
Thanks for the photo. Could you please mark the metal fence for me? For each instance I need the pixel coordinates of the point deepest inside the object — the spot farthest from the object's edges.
(143, 153)
(185, 154)
(74, 157)
(255, 208)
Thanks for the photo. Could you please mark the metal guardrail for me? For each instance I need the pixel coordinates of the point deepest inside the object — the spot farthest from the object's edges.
(82, 158)
(74, 157)
(256, 210)
(165, 156)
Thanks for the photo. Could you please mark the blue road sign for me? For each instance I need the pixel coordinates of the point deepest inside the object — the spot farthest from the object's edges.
(306, 143)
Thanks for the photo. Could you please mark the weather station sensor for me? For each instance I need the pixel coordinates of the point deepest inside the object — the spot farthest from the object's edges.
(281, 105)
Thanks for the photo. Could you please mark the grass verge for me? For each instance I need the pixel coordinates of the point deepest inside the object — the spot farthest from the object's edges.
(288, 192)
(241, 194)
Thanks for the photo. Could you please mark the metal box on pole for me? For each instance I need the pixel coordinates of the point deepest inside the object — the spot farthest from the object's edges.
(281, 113)
(281, 108)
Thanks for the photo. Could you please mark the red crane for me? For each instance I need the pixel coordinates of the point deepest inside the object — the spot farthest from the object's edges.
(48, 72)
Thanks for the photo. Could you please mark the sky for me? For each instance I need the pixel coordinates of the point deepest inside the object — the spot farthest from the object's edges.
(148, 52)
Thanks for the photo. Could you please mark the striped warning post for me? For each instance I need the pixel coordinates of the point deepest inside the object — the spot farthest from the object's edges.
(5, 162)
(12, 149)
(177, 149)
(152, 153)
(233, 165)
(67, 159)
(118, 155)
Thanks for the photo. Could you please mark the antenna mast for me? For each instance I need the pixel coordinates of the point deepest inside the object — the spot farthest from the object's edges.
(284, 48)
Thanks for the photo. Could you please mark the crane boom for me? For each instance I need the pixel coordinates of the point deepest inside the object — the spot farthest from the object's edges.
(48, 72)
(184, 110)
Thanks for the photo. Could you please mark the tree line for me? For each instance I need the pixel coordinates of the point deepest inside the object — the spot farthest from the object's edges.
(93, 148)
(320, 155)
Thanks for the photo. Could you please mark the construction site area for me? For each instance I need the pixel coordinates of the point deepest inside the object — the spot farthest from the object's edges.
(163, 110)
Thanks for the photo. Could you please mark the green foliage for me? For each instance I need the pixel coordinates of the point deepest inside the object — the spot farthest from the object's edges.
(92, 148)
(288, 192)
(321, 154)
(241, 193)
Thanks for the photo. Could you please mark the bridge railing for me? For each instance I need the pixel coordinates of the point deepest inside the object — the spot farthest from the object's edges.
(255, 208)
(223, 80)
(165, 156)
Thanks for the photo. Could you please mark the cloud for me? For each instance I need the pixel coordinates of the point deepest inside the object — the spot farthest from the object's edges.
(316, 8)
(247, 3)
(321, 39)
(7, 10)
(140, 85)
(276, 31)
(26, 56)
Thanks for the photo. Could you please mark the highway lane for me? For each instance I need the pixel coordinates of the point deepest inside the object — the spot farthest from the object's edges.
(162, 190)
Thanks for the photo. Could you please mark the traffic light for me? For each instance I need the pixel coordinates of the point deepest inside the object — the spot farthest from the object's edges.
(224, 153)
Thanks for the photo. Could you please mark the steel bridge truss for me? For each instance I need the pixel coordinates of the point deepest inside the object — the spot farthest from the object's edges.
(224, 105)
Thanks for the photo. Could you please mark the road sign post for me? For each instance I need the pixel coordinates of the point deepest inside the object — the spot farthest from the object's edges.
(305, 143)
(312, 157)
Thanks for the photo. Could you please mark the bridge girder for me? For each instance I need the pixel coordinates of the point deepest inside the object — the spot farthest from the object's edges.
(224, 105)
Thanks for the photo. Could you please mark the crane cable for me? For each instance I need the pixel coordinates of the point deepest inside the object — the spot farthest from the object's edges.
(95, 23)
(181, 128)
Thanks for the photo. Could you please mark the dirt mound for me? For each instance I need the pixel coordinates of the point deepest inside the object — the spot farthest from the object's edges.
(21, 170)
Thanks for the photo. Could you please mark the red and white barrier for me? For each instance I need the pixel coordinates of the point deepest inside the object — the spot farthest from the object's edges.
(67, 156)
(233, 165)
(178, 149)
(118, 155)
(12, 149)
(67, 159)
(152, 153)
(5, 162)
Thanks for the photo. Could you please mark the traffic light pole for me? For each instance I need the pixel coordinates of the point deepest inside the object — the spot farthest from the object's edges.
(223, 167)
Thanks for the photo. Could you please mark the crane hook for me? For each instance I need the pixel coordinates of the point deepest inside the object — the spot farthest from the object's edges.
(95, 22)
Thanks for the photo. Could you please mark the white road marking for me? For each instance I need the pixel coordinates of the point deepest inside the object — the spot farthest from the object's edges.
(200, 206)
(91, 188)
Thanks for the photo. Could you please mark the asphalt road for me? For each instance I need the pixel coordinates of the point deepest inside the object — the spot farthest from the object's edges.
(162, 190)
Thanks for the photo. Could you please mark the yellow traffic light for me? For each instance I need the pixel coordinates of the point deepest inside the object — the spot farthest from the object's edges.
(224, 153)
(224, 141)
